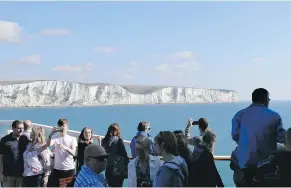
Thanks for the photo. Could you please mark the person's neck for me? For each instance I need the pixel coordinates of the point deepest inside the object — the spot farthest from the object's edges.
(63, 134)
(92, 169)
(144, 159)
(259, 104)
(168, 156)
(202, 132)
(15, 136)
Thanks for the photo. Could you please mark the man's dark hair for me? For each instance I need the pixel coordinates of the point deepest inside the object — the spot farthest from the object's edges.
(142, 126)
(260, 95)
(62, 122)
(203, 124)
(16, 123)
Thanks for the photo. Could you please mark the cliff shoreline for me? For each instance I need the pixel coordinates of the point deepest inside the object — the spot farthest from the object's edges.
(68, 94)
(104, 105)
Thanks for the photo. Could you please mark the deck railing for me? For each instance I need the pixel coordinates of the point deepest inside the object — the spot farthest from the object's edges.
(77, 133)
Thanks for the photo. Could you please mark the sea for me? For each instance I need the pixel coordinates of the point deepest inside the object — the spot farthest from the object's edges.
(161, 117)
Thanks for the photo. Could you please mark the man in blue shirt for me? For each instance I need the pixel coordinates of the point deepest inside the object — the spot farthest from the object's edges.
(257, 130)
(143, 129)
(90, 175)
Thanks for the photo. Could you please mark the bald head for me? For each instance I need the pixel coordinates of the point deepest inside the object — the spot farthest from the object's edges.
(27, 125)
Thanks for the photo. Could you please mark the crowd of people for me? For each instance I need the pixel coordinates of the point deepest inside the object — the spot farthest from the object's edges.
(28, 159)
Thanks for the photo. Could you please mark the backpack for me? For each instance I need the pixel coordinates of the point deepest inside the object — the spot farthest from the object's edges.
(268, 172)
(203, 170)
(118, 164)
(183, 179)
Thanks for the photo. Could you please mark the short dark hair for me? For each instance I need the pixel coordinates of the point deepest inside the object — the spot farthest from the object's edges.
(16, 123)
(169, 140)
(260, 95)
(142, 126)
(62, 122)
(203, 124)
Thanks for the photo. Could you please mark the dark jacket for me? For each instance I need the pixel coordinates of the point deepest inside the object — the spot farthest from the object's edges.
(275, 170)
(80, 157)
(204, 172)
(114, 146)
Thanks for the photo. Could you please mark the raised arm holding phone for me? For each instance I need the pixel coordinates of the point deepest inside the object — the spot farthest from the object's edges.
(65, 151)
(207, 137)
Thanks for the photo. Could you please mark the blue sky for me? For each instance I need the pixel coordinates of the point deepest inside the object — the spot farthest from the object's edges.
(223, 45)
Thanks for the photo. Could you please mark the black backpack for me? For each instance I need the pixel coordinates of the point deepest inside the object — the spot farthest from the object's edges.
(268, 172)
(203, 172)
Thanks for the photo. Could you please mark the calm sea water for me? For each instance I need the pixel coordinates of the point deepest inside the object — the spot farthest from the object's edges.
(162, 117)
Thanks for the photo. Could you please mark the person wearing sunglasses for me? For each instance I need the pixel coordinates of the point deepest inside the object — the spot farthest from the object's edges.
(143, 129)
(143, 168)
(94, 163)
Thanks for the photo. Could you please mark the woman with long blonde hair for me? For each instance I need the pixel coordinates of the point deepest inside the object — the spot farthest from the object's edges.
(36, 160)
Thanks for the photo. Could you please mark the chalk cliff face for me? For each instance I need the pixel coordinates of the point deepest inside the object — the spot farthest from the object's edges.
(58, 93)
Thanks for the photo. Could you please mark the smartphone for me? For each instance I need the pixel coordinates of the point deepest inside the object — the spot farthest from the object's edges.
(60, 129)
(195, 123)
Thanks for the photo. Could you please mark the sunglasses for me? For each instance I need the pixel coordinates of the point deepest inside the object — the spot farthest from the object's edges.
(100, 158)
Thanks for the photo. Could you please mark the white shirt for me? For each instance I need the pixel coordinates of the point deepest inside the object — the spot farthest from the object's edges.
(63, 159)
(27, 133)
(33, 164)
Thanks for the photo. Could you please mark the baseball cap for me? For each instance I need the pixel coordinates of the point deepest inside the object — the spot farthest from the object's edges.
(94, 150)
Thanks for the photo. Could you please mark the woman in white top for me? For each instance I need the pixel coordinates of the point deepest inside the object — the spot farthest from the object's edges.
(36, 160)
(142, 169)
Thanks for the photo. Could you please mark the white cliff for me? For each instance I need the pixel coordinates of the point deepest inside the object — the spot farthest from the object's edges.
(58, 93)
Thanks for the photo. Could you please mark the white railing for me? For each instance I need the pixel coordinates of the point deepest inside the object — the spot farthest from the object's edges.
(77, 133)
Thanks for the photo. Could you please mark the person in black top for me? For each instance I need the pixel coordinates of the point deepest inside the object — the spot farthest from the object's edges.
(282, 160)
(204, 172)
(116, 168)
(85, 139)
(183, 149)
(11, 165)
